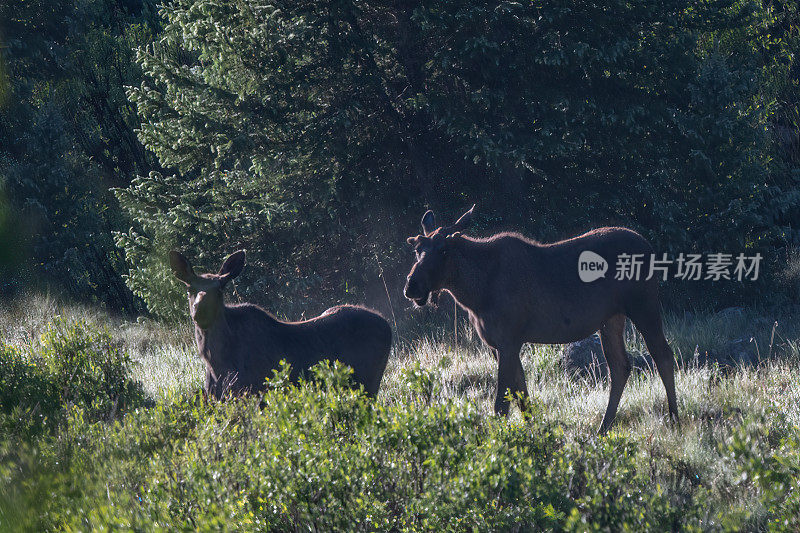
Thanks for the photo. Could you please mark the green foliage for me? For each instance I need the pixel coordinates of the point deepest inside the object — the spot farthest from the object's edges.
(203, 219)
(89, 369)
(313, 133)
(768, 453)
(322, 456)
(425, 455)
(27, 395)
(72, 365)
(66, 136)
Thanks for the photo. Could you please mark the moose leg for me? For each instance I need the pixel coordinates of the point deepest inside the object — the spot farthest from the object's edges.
(612, 339)
(207, 391)
(510, 377)
(649, 324)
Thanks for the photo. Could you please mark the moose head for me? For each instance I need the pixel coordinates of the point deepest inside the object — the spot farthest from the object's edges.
(432, 249)
(205, 290)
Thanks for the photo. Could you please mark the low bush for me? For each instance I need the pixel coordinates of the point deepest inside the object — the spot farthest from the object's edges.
(767, 452)
(72, 364)
(321, 456)
(83, 450)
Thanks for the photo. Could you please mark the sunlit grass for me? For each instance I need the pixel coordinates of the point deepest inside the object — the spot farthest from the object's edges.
(711, 401)
(166, 362)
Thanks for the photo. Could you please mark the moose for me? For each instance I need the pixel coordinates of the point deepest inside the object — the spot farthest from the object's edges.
(517, 290)
(241, 344)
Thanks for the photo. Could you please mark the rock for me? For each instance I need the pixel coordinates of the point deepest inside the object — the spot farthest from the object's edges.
(585, 358)
(739, 352)
(730, 312)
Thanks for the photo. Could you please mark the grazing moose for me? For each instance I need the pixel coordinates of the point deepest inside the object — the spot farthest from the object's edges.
(241, 344)
(517, 290)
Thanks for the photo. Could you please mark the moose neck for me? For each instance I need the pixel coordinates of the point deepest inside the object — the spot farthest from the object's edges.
(212, 342)
(468, 277)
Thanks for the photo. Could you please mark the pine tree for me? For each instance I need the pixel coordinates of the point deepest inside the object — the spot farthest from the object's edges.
(314, 133)
(66, 136)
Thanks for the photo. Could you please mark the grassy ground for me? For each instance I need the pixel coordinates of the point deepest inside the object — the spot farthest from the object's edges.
(713, 403)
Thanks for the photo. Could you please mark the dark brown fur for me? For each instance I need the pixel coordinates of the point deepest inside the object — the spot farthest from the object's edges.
(242, 344)
(517, 290)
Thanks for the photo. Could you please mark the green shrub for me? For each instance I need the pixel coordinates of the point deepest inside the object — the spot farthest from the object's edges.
(73, 364)
(88, 368)
(767, 452)
(27, 394)
(321, 456)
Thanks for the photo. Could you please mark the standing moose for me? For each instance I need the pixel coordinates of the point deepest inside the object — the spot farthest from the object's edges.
(241, 344)
(517, 290)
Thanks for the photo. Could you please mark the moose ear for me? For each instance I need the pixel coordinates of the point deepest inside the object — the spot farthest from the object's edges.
(462, 223)
(232, 266)
(181, 267)
(411, 240)
(428, 222)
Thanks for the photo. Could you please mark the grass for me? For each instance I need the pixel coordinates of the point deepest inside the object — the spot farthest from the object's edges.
(714, 405)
